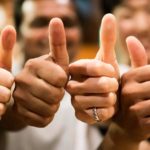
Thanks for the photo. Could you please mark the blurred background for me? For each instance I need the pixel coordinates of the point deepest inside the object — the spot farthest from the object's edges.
(89, 17)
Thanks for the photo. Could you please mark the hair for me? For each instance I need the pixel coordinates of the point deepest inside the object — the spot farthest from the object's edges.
(18, 16)
(107, 6)
(5, 1)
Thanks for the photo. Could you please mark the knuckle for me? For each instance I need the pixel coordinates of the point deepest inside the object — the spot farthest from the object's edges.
(44, 122)
(6, 97)
(10, 81)
(78, 115)
(53, 109)
(116, 84)
(7, 78)
(77, 100)
(105, 114)
(124, 78)
(30, 64)
(18, 97)
(112, 98)
(128, 91)
(16, 94)
(104, 86)
(134, 111)
(108, 84)
(61, 79)
(56, 97)
(18, 78)
(71, 87)
(2, 109)
(75, 103)
(127, 77)
(23, 79)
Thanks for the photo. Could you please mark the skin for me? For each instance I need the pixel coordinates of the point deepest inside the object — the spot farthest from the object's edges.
(49, 73)
(57, 64)
(131, 126)
(132, 120)
(133, 18)
(7, 41)
(90, 77)
(35, 33)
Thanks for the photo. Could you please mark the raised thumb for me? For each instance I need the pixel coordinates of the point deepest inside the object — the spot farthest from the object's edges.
(108, 35)
(7, 42)
(57, 42)
(137, 52)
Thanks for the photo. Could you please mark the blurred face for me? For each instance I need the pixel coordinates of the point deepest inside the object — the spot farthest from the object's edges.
(34, 27)
(134, 19)
(3, 17)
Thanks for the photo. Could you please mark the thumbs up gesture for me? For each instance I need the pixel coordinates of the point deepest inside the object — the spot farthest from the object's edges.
(134, 112)
(131, 125)
(40, 85)
(7, 41)
(94, 82)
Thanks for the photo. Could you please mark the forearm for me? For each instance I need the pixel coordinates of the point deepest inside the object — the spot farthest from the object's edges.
(116, 139)
(10, 121)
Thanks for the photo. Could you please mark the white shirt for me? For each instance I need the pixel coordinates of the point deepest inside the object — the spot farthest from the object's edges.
(65, 132)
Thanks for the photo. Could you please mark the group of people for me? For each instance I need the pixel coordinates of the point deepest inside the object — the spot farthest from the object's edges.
(48, 81)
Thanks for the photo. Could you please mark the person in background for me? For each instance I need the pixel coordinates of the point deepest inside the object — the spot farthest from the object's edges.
(131, 127)
(40, 85)
(6, 13)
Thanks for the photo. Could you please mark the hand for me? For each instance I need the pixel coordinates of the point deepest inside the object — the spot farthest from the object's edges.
(7, 41)
(40, 85)
(133, 117)
(94, 83)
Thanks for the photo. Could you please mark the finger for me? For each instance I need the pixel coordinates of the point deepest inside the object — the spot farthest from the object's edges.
(6, 78)
(37, 106)
(146, 124)
(2, 109)
(52, 94)
(136, 52)
(31, 118)
(7, 42)
(83, 116)
(141, 108)
(101, 100)
(91, 68)
(144, 90)
(48, 71)
(141, 74)
(57, 41)
(103, 113)
(108, 34)
(97, 85)
(5, 94)
(55, 76)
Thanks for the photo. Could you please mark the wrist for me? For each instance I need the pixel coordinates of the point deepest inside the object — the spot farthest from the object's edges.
(118, 139)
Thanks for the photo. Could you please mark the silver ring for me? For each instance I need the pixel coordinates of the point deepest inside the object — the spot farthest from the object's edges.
(95, 115)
